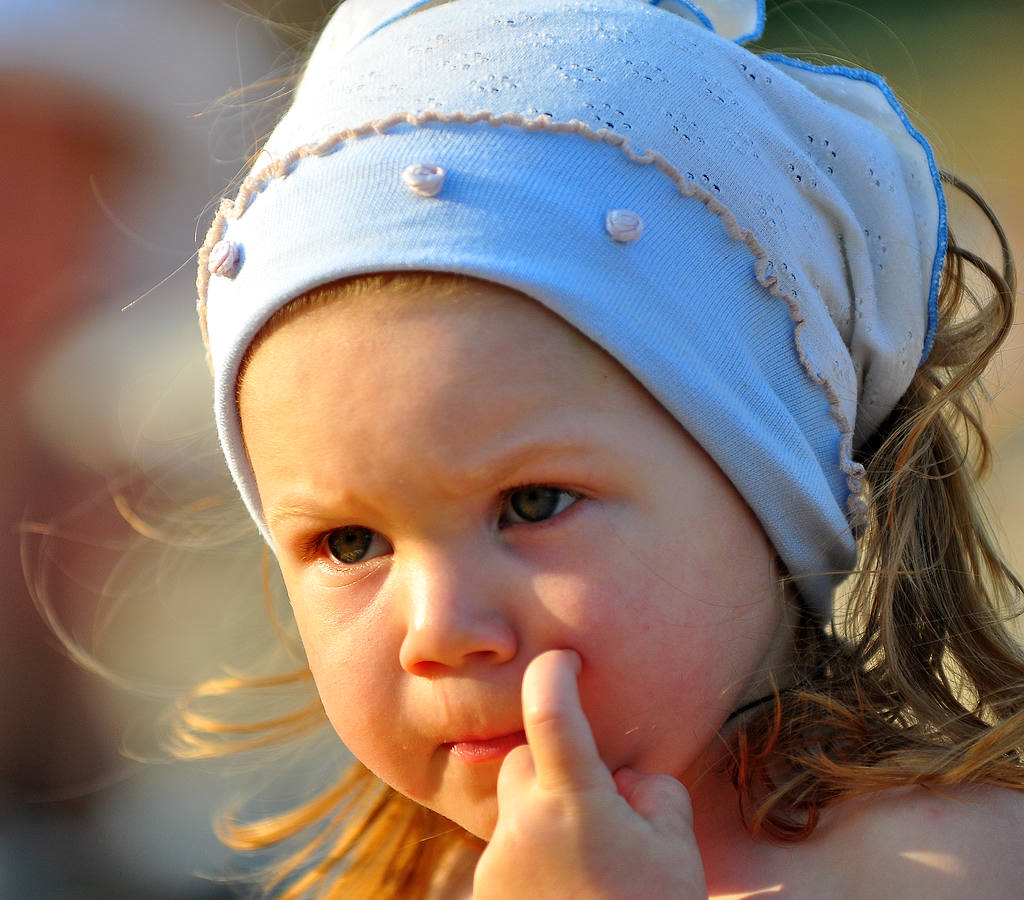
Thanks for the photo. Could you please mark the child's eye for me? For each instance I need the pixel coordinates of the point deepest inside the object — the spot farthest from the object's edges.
(535, 503)
(354, 543)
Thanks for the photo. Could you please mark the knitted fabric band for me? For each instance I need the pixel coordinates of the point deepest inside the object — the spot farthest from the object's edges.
(757, 240)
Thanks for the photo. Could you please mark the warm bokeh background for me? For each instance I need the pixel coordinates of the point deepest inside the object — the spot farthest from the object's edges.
(108, 168)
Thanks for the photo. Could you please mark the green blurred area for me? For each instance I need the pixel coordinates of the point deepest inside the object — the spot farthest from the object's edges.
(956, 67)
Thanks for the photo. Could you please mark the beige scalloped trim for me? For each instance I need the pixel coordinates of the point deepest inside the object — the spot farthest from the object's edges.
(282, 168)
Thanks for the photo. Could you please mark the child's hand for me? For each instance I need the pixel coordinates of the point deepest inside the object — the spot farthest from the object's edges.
(566, 827)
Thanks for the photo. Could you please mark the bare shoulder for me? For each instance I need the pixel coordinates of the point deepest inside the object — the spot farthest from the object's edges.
(965, 841)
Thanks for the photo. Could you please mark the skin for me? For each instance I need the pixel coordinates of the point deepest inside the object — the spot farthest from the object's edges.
(557, 685)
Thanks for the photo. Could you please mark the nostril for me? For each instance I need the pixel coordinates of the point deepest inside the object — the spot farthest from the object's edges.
(489, 656)
(427, 669)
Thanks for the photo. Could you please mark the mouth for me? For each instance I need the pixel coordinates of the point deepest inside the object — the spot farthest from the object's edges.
(481, 750)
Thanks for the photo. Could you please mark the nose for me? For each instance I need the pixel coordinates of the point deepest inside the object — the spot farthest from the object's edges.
(455, 615)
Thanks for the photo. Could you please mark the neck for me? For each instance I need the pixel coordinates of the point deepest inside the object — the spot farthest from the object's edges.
(735, 863)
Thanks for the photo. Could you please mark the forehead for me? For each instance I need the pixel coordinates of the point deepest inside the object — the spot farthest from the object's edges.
(441, 321)
(444, 384)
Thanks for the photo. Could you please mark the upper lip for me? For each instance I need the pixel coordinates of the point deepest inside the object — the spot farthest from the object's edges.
(488, 734)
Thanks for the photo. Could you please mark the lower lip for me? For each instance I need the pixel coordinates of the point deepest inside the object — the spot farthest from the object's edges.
(486, 751)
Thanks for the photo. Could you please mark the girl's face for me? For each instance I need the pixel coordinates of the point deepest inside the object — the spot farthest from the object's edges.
(457, 483)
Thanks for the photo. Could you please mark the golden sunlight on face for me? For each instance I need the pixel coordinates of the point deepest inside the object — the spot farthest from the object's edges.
(457, 483)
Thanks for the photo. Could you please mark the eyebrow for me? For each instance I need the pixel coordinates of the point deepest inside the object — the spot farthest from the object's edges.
(302, 506)
(294, 509)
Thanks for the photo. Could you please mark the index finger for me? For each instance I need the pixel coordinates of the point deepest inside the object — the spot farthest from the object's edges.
(564, 753)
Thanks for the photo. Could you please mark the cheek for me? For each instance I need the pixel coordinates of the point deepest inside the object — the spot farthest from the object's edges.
(670, 641)
(348, 657)
(362, 703)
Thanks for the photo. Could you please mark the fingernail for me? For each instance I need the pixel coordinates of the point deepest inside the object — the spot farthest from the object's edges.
(575, 659)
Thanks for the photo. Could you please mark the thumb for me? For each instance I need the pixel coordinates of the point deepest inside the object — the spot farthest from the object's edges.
(660, 799)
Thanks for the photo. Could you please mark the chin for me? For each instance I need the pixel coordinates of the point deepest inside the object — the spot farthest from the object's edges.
(479, 821)
(477, 815)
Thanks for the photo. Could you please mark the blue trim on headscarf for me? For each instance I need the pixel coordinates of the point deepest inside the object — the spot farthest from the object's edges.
(702, 17)
(698, 13)
(758, 28)
(940, 250)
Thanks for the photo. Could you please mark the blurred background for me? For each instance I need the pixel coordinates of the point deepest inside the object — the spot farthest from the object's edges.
(121, 122)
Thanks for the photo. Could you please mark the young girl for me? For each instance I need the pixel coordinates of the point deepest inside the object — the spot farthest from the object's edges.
(568, 356)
